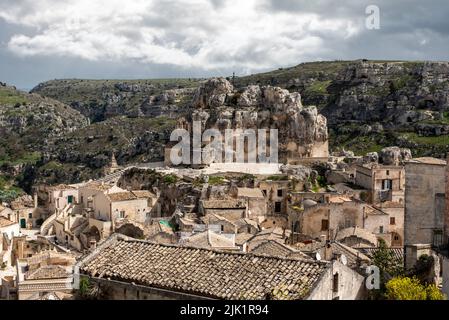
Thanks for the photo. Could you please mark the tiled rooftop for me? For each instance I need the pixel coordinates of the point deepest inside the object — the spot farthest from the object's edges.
(121, 196)
(203, 272)
(223, 204)
(5, 222)
(48, 272)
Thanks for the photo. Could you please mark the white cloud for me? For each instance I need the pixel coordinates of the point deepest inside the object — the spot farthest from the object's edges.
(186, 33)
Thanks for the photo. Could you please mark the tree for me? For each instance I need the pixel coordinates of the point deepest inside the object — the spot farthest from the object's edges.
(386, 262)
(405, 288)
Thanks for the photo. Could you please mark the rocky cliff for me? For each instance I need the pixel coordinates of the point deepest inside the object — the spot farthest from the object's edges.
(103, 99)
(30, 123)
(373, 104)
(369, 104)
(302, 130)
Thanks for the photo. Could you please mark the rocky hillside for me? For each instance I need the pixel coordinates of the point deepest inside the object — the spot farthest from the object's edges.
(373, 104)
(29, 123)
(102, 99)
(368, 104)
(302, 130)
(46, 141)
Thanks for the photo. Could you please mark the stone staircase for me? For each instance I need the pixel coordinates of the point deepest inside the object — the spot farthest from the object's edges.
(48, 223)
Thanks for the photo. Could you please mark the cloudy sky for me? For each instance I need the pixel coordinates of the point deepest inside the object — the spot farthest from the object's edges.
(48, 39)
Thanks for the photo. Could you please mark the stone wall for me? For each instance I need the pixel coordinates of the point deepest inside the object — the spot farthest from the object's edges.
(425, 185)
(351, 285)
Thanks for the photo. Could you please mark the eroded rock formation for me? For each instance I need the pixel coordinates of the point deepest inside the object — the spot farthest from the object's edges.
(302, 130)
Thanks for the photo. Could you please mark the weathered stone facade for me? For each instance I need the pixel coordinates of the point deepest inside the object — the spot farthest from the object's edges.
(424, 205)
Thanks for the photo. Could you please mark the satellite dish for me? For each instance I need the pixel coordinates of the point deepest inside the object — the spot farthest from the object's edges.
(344, 260)
(318, 256)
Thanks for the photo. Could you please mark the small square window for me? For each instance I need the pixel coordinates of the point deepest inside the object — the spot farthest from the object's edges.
(324, 225)
(277, 207)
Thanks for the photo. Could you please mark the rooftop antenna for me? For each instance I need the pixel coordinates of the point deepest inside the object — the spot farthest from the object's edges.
(233, 78)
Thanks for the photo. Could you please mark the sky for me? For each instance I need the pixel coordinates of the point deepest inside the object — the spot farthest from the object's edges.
(115, 39)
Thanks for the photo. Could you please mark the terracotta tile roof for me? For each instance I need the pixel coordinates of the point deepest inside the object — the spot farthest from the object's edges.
(370, 210)
(5, 222)
(353, 256)
(212, 218)
(209, 273)
(357, 232)
(121, 196)
(47, 272)
(397, 254)
(209, 240)
(241, 238)
(223, 204)
(143, 194)
(274, 247)
(245, 221)
(98, 186)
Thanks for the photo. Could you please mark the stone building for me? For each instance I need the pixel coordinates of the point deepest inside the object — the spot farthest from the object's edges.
(383, 182)
(191, 273)
(326, 220)
(424, 206)
(275, 189)
(45, 274)
(231, 209)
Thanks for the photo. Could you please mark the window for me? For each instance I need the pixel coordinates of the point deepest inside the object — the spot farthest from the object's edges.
(335, 283)
(348, 223)
(381, 229)
(122, 214)
(277, 207)
(30, 215)
(324, 225)
(280, 192)
(392, 220)
(396, 237)
(264, 192)
(388, 172)
(437, 238)
(222, 228)
(387, 184)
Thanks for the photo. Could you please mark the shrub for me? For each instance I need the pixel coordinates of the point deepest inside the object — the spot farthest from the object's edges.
(405, 288)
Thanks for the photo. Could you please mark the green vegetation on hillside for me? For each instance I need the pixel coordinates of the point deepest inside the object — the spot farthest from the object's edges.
(8, 191)
(437, 140)
(11, 97)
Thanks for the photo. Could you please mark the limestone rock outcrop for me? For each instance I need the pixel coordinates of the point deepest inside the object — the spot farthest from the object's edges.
(394, 155)
(302, 130)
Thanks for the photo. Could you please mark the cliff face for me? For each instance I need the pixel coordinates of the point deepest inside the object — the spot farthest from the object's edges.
(302, 130)
(373, 104)
(104, 99)
(30, 123)
(396, 94)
